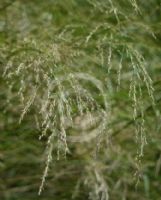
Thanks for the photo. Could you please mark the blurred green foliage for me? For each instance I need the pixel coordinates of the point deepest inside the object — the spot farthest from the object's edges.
(73, 36)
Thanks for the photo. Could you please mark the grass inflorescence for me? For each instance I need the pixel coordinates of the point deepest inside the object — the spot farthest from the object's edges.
(85, 78)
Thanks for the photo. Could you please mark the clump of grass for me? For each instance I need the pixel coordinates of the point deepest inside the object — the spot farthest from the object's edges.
(70, 85)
